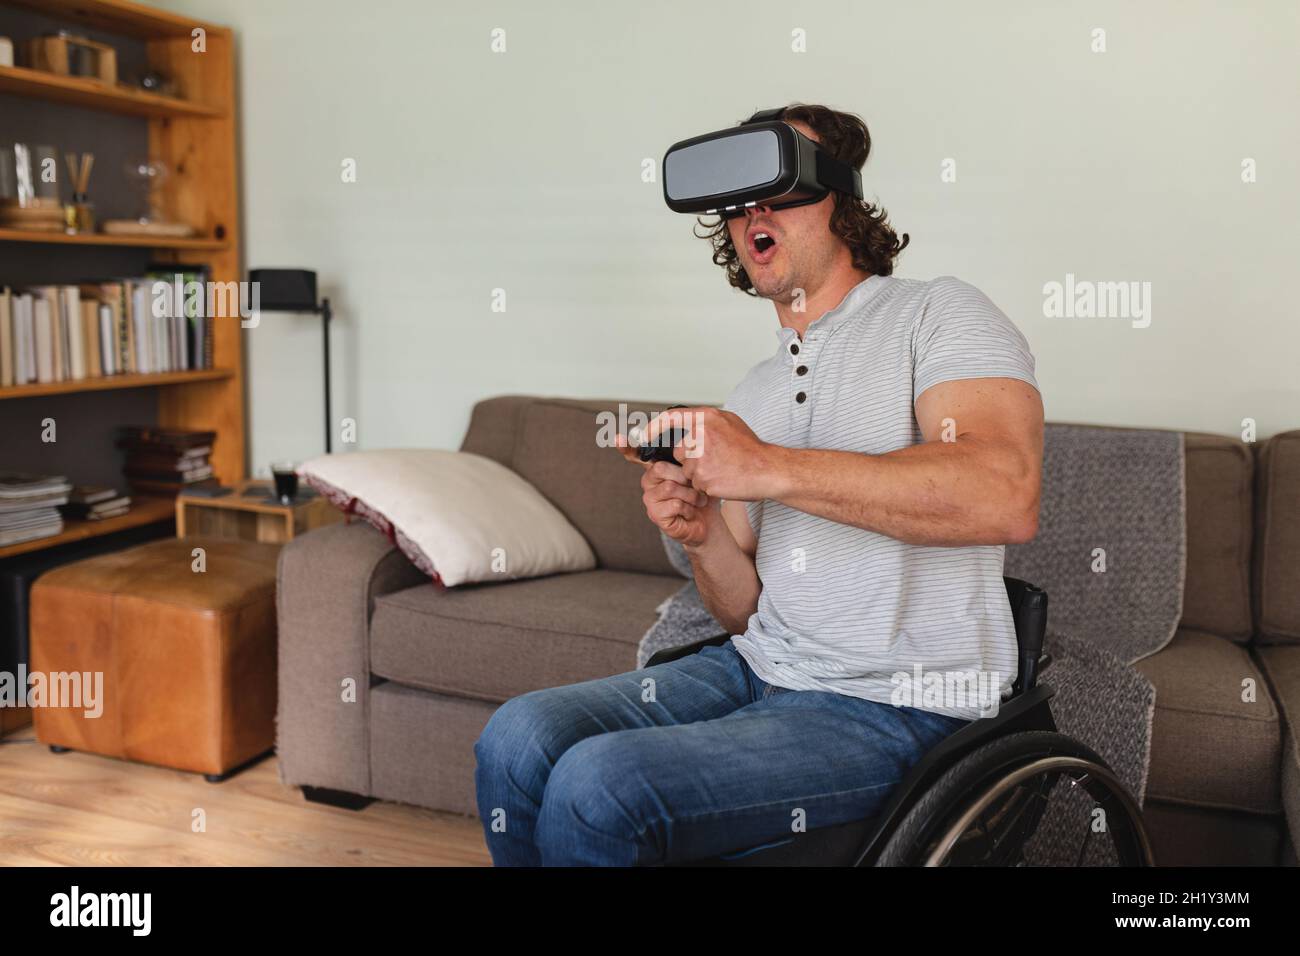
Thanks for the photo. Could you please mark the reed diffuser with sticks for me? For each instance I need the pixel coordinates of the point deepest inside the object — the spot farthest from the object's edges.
(79, 214)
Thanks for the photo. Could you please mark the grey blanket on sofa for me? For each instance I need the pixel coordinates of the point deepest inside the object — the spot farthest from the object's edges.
(1111, 554)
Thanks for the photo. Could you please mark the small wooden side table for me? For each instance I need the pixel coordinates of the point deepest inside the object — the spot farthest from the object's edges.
(251, 514)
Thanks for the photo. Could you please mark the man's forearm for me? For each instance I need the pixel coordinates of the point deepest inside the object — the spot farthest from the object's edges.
(935, 493)
(726, 577)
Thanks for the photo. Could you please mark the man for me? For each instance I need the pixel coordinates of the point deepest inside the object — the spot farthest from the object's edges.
(844, 515)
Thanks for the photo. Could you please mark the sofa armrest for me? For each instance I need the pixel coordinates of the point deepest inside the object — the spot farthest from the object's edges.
(327, 584)
(1281, 666)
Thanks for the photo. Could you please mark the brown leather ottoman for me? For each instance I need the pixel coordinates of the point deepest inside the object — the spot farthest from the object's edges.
(188, 658)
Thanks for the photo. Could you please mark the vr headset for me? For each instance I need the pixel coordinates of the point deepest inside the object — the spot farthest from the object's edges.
(762, 162)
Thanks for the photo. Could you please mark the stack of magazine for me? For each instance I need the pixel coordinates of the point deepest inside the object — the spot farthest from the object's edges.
(166, 461)
(29, 506)
(95, 503)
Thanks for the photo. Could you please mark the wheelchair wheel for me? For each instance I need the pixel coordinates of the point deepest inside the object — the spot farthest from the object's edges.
(987, 808)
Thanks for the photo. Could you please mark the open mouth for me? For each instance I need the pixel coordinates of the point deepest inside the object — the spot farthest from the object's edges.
(762, 247)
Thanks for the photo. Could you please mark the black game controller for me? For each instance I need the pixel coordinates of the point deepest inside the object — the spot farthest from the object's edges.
(662, 448)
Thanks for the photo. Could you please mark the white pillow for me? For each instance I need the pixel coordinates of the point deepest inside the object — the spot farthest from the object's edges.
(459, 517)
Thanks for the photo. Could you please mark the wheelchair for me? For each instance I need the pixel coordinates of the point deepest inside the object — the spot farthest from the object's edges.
(978, 798)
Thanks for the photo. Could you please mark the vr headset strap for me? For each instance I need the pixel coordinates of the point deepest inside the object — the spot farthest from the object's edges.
(765, 116)
(830, 171)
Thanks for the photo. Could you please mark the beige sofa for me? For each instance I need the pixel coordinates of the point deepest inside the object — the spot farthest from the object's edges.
(429, 666)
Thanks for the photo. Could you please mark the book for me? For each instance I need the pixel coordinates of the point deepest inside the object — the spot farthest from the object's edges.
(123, 344)
(42, 322)
(28, 319)
(113, 513)
(163, 461)
(58, 340)
(91, 494)
(70, 299)
(88, 330)
(19, 535)
(110, 508)
(180, 479)
(16, 485)
(23, 335)
(147, 449)
(186, 297)
(135, 308)
(48, 500)
(167, 489)
(150, 461)
(30, 518)
(176, 439)
(107, 354)
(6, 338)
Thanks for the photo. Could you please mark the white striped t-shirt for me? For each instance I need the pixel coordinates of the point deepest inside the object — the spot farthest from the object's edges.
(843, 609)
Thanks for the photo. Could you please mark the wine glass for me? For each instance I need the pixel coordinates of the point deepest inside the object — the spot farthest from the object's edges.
(147, 177)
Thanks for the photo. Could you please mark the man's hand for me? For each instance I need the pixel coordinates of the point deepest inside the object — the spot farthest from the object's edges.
(715, 534)
(720, 455)
(684, 513)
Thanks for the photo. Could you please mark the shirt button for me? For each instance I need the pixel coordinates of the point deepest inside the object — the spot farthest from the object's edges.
(794, 349)
(801, 370)
(801, 397)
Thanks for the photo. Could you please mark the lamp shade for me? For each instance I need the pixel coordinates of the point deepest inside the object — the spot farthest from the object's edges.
(285, 290)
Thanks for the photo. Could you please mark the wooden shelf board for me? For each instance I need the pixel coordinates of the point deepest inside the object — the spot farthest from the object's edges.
(144, 510)
(101, 239)
(114, 381)
(93, 94)
(116, 16)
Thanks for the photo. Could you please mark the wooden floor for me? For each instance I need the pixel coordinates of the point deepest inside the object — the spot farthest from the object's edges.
(83, 810)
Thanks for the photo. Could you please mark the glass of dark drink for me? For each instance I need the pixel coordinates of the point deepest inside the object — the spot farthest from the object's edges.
(285, 474)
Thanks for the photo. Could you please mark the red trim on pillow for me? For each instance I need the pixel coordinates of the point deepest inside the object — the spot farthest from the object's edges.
(352, 505)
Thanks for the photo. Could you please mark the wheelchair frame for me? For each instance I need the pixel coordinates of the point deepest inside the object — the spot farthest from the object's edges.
(1027, 709)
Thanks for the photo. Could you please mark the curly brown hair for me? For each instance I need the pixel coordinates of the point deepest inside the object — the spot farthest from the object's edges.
(863, 227)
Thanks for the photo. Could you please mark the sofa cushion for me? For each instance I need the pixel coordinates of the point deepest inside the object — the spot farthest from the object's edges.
(494, 427)
(553, 444)
(1209, 747)
(1282, 665)
(459, 517)
(1277, 539)
(496, 641)
(1220, 499)
(1192, 836)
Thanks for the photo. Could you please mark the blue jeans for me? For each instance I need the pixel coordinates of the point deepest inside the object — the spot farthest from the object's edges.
(706, 760)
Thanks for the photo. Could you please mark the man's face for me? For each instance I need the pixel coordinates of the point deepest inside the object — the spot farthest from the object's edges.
(804, 250)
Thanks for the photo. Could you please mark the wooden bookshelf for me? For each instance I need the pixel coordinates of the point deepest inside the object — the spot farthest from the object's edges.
(104, 382)
(116, 16)
(94, 94)
(102, 239)
(195, 135)
(144, 510)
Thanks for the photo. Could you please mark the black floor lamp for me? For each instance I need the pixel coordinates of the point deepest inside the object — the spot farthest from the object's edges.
(294, 290)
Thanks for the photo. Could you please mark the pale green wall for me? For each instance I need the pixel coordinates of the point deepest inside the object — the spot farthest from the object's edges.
(522, 171)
